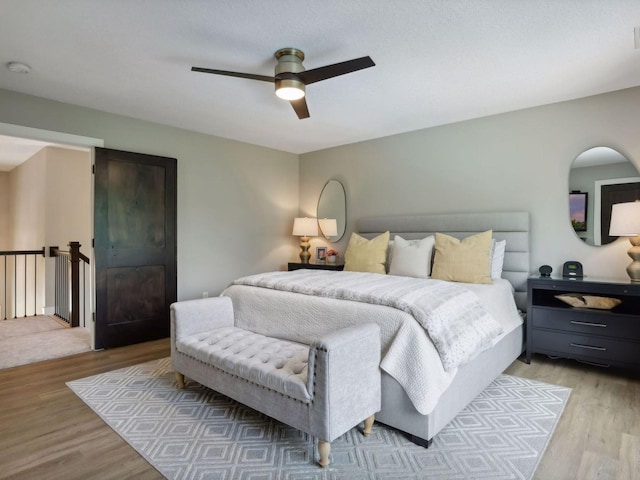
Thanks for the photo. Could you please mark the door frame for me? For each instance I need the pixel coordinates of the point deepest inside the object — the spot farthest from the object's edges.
(49, 136)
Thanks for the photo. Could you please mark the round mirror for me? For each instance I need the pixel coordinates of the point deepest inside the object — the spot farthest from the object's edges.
(599, 178)
(332, 204)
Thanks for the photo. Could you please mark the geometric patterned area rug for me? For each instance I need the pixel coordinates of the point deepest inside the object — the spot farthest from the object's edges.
(197, 433)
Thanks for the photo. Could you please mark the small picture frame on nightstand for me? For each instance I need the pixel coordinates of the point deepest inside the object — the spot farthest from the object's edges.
(321, 254)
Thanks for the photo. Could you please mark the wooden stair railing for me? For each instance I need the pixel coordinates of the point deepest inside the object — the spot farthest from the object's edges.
(67, 283)
(10, 266)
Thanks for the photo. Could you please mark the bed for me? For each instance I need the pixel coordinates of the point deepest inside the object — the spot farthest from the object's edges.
(298, 316)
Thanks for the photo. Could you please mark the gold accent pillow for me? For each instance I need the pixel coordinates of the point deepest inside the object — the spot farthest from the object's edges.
(364, 255)
(467, 260)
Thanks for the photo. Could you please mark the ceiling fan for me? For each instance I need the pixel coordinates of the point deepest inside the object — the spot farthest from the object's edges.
(291, 78)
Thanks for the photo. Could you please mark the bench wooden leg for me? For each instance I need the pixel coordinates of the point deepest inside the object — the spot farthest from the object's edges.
(180, 380)
(368, 425)
(324, 448)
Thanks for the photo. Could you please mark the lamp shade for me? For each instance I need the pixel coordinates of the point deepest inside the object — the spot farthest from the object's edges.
(290, 89)
(625, 219)
(305, 227)
(329, 226)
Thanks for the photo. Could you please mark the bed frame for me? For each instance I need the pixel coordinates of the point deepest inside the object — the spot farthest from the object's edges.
(473, 378)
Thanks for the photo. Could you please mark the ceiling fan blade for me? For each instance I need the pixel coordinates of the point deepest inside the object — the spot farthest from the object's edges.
(250, 76)
(300, 106)
(337, 69)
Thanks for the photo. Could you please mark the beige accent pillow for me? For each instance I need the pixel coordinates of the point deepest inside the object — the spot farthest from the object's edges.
(364, 255)
(467, 260)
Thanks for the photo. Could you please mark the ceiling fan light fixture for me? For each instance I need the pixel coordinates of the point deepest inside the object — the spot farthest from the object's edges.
(291, 78)
(290, 89)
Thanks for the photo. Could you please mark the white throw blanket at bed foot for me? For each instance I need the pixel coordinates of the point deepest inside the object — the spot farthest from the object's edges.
(453, 316)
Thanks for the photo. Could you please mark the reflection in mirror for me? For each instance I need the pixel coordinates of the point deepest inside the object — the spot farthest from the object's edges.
(599, 178)
(332, 204)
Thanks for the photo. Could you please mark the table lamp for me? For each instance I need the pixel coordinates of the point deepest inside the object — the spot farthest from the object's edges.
(625, 222)
(305, 228)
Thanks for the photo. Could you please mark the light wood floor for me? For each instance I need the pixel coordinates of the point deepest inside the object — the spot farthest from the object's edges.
(46, 432)
(598, 436)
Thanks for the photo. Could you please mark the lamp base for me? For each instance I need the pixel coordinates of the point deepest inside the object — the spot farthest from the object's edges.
(304, 254)
(634, 252)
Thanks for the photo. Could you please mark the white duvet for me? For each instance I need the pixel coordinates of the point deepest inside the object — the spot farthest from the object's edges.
(408, 353)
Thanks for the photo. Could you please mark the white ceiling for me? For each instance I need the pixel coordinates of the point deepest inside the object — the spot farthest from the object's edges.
(14, 151)
(437, 61)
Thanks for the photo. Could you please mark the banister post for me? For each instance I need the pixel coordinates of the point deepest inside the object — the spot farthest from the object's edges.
(74, 253)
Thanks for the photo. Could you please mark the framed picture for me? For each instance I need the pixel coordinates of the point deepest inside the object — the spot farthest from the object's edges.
(321, 254)
(578, 210)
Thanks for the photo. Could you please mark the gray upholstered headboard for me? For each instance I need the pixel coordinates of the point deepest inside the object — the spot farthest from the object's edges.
(510, 226)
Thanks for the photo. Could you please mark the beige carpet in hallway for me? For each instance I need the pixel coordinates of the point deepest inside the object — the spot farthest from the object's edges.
(33, 339)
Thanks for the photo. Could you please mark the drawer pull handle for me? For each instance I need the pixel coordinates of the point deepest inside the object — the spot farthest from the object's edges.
(590, 347)
(588, 324)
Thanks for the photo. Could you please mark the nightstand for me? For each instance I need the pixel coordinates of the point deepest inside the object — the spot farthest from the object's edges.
(603, 337)
(316, 266)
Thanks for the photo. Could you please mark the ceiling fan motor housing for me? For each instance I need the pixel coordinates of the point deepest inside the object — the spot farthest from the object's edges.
(289, 64)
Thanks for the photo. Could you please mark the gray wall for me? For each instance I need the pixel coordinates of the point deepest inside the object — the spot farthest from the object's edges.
(236, 202)
(513, 161)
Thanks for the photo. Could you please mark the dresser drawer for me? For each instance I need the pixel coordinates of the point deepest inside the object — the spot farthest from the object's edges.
(601, 323)
(597, 349)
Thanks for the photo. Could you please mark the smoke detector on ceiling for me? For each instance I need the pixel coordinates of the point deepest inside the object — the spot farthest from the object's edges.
(18, 67)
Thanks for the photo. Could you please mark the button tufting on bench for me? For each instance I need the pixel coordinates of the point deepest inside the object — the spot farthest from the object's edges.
(276, 364)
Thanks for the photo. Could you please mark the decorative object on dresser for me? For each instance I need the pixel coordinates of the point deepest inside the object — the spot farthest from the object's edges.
(332, 256)
(545, 271)
(315, 266)
(579, 300)
(305, 228)
(625, 222)
(572, 269)
(594, 335)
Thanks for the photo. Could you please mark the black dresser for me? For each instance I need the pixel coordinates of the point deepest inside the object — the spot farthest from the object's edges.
(603, 337)
(315, 266)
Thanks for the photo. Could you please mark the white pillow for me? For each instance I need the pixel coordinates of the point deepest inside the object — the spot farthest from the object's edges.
(412, 258)
(387, 264)
(497, 258)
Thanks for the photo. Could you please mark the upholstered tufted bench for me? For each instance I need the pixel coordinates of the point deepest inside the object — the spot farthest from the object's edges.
(323, 389)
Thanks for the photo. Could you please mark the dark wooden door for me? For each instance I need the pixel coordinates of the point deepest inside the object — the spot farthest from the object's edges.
(610, 195)
(135, 246)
